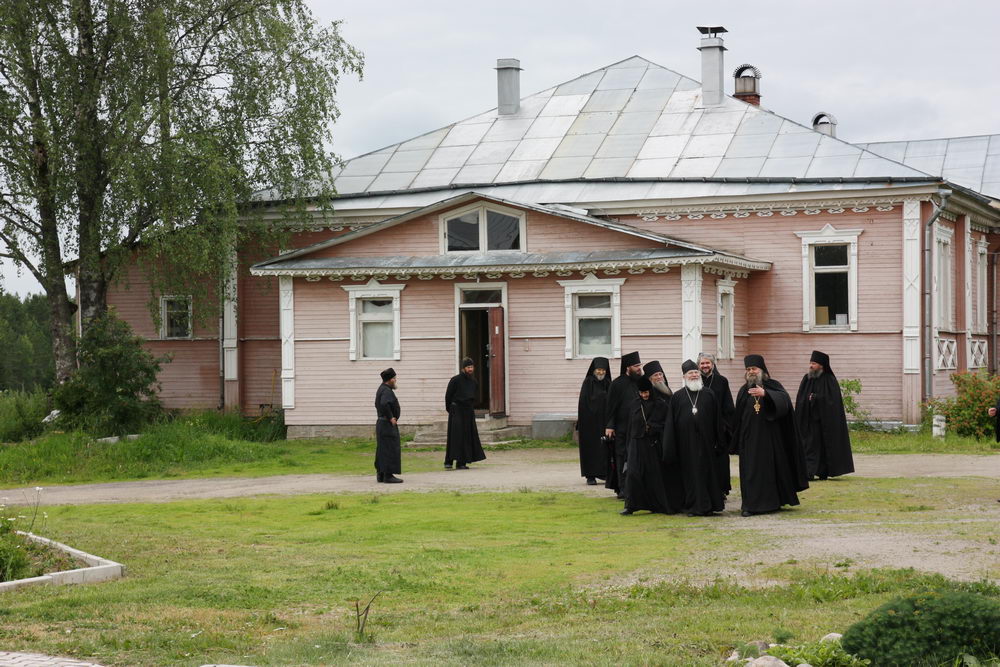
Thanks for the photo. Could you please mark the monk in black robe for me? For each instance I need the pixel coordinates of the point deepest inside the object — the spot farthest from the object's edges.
(591, 417)
(463, 446)
(621, 398)
(388, 456)
(654, 371)
(822, 422)
(719, 385)
(995, 413)
(772, 465)
(644, 486)
(691, 441)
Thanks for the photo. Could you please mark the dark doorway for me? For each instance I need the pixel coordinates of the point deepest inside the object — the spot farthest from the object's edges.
(474, 342)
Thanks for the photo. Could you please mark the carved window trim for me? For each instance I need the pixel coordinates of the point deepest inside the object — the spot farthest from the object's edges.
(829, 235)
(592, 285)
(372, 290)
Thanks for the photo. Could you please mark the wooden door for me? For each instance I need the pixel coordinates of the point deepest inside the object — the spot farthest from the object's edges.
(497, 352)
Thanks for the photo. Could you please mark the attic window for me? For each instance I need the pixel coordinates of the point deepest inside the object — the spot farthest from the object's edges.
(483, 229)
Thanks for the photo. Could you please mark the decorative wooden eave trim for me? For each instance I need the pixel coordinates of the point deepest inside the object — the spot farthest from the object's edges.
(772, 208)
(737, 267)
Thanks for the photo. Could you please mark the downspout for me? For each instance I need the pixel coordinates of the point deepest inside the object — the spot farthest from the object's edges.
(928, 370)
(222, 351)
(992, 296)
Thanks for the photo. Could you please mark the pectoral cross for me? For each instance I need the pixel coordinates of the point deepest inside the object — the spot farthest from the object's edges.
(756, 405)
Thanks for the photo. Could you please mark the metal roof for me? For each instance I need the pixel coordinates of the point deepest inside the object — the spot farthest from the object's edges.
(972, 162)
(461, 198)
(633, 119)
(506, 261)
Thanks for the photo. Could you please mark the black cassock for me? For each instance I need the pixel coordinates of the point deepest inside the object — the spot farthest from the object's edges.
(387, 447)
(591, 418)
(996, 421)
(463, 436)
(691, 444)
(645, 488)
(822, 424)
(622, 398)
(772, 466)
(719, 384)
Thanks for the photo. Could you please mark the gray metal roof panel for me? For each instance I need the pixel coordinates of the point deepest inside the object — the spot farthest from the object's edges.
(965, 161)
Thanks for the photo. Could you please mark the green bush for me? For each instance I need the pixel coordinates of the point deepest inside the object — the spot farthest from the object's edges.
(850, 390)
(927, 629)
(966, 412)
(114, 390)
(818, 654)
(21, 414)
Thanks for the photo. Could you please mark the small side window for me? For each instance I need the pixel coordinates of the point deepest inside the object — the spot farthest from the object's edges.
(175, 316)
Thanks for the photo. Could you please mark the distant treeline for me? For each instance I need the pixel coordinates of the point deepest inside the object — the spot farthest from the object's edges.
(25, 343)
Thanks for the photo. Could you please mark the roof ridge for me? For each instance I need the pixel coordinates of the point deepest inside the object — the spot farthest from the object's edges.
(910, 141)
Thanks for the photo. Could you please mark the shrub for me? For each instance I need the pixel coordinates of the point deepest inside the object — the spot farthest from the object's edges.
(114, 390)
(818, 654)
(267, 427)
(966, 412)
(21, 414)
(927, 629)
(850, 390)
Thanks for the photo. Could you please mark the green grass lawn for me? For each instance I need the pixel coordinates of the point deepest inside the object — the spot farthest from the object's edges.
(197, 447)
(485, 578)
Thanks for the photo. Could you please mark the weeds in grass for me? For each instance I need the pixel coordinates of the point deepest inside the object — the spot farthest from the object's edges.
(373, 499)
(361, 620)
(331, 505)
(21, 414)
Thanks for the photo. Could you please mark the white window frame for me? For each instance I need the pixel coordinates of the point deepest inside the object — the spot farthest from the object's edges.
(591, 284)
(829, 235)
(372, 290)
(944, 268)
(982, 285)
(725, 336)
(482, 208)
(163, 316)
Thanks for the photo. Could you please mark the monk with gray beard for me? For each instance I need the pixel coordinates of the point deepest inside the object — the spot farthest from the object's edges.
(654, 371)
(692, 439)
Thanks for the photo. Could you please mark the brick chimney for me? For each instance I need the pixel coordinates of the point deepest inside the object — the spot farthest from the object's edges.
(508, 86)
(747, 86)
(712, 76)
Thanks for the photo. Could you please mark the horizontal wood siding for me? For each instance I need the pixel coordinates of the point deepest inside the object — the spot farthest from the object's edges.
(191, 379)
(130, 297)
(261, 375)
(545, 233)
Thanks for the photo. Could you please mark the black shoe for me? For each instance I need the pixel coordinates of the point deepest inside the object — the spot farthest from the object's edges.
(626, 512)
(461, 466)
(746, 513)
(591, 481)
(379, 477)
(447, 466)
(391, 479)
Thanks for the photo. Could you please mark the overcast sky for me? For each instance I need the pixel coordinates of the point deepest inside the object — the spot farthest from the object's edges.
(887, 70)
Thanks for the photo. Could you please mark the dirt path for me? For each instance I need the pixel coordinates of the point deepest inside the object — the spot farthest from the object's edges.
(536, 469)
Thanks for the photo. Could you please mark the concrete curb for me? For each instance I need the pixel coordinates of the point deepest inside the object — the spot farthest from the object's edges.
(101, 569)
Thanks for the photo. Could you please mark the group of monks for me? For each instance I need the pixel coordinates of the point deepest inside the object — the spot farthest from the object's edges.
(668, 451)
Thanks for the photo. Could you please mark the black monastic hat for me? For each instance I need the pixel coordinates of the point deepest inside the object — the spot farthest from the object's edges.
(822, 359)
(388, 374)
(630, 359)
(466, 362)
(755, 360)
(688, 366)
(643, 384)
(651, 368)
(599, 362)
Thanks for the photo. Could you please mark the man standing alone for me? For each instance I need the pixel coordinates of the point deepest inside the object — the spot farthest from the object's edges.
(819, 414)
(463, 436)
(772, 467)
(387, 447)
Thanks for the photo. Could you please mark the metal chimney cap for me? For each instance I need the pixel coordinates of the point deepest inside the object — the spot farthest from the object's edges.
(508, 63)
(747, 67)
(824, 118)
(711, 31)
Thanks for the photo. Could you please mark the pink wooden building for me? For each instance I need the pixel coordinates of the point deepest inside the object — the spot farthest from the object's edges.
(631, 208)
